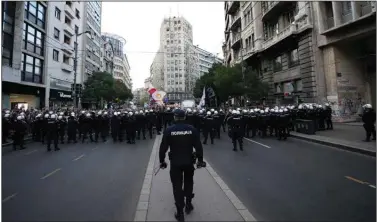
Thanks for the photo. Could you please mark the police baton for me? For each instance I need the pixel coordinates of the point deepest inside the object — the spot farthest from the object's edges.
(156, 171)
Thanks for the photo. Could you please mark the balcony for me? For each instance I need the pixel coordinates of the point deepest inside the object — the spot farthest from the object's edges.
(68, 29)
(69, 11)
(273, 9)
(233, 6)
(289, 30)
(236, 40)
(248, 51)
(67, 48)
(236, 21)
(66, 67)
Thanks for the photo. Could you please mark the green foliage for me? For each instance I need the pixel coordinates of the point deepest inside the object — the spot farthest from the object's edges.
(102, 85)
(229, 82)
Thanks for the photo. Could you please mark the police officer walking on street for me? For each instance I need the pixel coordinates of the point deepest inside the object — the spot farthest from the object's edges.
(181, 138)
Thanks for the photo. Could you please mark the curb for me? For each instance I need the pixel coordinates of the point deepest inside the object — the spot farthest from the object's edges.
(337, 145)
(8, 146)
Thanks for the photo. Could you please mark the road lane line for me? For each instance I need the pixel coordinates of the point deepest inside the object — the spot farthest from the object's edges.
(50, 174)
(94, 148)
(79, 157)
(258, 143)
(372, 186)
(9, 197)
(33, 151)
(355, 180)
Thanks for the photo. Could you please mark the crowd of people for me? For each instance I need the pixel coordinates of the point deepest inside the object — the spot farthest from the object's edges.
(65, 126)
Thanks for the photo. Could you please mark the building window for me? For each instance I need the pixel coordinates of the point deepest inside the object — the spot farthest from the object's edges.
(35, 12)
(33, 40)
(55, 55)
(66, 59)
(8, 15)
(57, 13)
(278, 64)
(56, 33)
(69, 3)
(293, 58)
(31, 69)
(67, 21)
(77, 14)
(67, 40)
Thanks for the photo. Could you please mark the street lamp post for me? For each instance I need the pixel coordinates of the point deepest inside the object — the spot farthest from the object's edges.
(75, 67)
(242, 61)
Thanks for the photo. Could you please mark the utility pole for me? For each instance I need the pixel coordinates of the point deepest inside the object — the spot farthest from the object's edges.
(75, 67)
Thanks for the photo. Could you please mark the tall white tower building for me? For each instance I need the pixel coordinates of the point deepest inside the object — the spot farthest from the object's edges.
(177, 59)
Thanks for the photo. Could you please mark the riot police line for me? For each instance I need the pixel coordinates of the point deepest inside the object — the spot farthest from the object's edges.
(59, 127)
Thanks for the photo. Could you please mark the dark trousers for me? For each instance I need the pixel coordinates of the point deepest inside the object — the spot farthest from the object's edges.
(85, 134)
(237, 137)
(142, 129)
(53, 136)
(329, 123)
(71, 136)
(282, 132)
(182, 175)
(211, 135)
(96, 134)
(18, 140)
(61, 135)
(114, 134)
(370, 131)
(104, 133)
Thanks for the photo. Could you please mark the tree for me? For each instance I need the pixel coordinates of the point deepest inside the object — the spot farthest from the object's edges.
(121, 91)
(231, 82)
(99, 86)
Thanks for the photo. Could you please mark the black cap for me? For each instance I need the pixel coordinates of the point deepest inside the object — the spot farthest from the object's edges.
(179, 113)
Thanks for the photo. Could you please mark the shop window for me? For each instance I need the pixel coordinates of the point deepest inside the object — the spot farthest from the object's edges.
(33, 40)
(31, 69)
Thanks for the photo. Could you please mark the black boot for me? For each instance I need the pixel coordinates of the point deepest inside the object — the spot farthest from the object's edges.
(179, 215)
(189, 207)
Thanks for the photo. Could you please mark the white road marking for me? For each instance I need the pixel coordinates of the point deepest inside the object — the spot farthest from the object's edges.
(372, 186)
(79, 157)
(258, 143)
(50, 174)
(33, 151)
(9, 197)
(94, 148)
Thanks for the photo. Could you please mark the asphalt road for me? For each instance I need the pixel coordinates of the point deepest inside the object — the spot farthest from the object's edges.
(88, 182)
(295, 180)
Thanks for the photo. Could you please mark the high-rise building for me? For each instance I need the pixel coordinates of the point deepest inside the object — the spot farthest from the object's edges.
(121, 70)
(92, 43)
(64, 22)
(176, 66)
(306, 51)
(206, 60)
(24, 50)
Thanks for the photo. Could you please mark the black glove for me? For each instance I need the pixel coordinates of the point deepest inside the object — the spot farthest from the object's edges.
(163, 165)
(201, 164)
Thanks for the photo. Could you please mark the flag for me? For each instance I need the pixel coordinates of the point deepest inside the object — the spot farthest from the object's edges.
(203, 99)
(151, 89)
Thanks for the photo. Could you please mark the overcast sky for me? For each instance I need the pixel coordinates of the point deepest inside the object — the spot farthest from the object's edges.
(139, 23)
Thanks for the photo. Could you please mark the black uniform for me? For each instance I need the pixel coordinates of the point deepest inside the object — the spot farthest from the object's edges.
(369, 118)
(62, 123)
(115, 127)
(141, 122)
(52, 133)
(72, 129)
(105, 127)
(236, 131)
(19, 127)
(181, 138)
(131, 129)
(208, 123)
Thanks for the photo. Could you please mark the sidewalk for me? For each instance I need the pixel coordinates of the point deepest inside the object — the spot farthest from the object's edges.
(346, 136)
(7, 147)
(213, 200)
